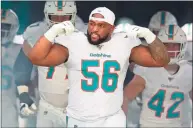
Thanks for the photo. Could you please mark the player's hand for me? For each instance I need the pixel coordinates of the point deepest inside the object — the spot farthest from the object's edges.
(141, 32)
(65, 27)
(27, 105)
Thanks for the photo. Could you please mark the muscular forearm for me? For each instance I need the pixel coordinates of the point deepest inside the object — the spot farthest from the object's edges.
(159, 52)
(40, 50)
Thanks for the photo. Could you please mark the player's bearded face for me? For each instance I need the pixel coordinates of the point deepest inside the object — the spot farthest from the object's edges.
(95, 38)
(98, 32)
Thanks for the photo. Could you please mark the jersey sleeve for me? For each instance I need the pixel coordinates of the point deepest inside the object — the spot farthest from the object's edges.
(135, 41)
(63, 40)
(139, 70)
(68, 41)
(31, 33)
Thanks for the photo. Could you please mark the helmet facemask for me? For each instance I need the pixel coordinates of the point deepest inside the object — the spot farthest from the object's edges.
(171, 35)
(177, 55)
(9, 26)
(59, 11)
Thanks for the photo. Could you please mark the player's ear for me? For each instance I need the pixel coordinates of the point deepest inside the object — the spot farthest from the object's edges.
(112, 28)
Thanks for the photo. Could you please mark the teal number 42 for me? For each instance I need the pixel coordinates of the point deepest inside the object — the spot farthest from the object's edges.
(106, 75)
(159, 97)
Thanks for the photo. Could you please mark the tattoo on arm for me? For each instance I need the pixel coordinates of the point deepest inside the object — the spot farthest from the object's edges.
(159, 51)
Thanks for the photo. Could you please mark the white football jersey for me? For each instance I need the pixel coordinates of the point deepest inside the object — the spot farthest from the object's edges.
(96, 74)
(164, 95)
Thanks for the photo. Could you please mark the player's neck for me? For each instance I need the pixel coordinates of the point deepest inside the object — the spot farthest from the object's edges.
(172, 69)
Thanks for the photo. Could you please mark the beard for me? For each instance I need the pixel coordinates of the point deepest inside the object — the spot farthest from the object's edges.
(99, 41)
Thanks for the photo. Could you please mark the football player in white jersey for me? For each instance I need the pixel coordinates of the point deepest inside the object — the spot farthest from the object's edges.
(165, 90)
(97, 65)
(133, 108)
(53, 81)
(9, 28)
(187, 28)
(161, 19)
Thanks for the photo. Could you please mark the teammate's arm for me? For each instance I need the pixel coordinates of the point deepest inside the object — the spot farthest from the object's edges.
(134, 87)
(45, 53)
(155, 55)
(132, 90)
(22, 73)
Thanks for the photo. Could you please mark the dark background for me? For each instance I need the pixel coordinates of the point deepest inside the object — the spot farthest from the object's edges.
(140, 11)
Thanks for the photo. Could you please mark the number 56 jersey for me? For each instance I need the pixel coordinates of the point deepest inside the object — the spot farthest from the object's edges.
(96, 74)
(164, 96)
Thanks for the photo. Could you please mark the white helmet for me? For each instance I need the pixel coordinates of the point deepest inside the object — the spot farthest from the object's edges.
(9, 25)
(160, 19)
(79, 23)
(123, 24)
(174, 34)
(60, 8)
(125, 20)
(187, 28)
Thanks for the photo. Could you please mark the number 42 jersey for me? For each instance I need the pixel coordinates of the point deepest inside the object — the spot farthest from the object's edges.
(96, 74)
(164, 96)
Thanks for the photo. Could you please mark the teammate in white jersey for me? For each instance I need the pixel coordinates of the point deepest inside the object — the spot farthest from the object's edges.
(9, 28)
(97, 65)
(165, 90)
(53, 80)
(161, 19)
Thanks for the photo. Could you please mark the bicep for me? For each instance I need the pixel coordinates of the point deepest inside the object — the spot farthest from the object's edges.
(134, 87)
(57, 55)
(141, 55)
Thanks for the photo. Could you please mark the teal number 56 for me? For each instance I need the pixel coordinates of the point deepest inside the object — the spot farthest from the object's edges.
(159, 98)
(106, 75)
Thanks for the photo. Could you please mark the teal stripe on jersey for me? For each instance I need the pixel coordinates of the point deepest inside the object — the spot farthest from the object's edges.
(171, 31)
(163, 18)
(60, 5)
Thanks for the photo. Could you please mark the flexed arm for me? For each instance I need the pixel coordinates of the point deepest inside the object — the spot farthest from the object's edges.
(153, 55)
(45, 52)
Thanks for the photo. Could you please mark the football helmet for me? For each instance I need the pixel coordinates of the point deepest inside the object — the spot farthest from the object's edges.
(160, 19)
(79, 23)
(123, 23)
(187, 28)
(174, 34)
(60, 8)
(124, 20)
(9, 25)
